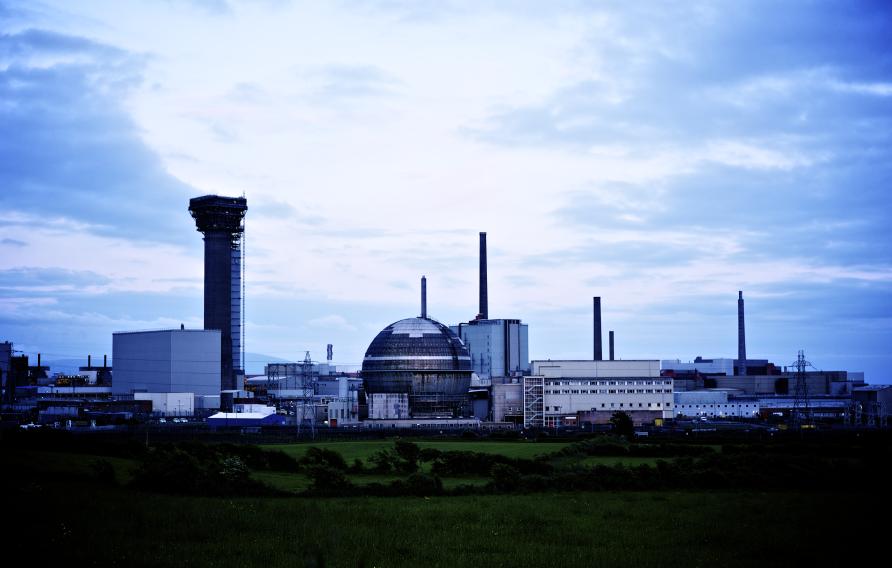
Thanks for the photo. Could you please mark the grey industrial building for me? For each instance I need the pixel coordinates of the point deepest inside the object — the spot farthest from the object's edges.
(167, 361)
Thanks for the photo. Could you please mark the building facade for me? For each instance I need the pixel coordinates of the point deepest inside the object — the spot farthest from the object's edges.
(167, 361)
(498, 347)
(569, 392)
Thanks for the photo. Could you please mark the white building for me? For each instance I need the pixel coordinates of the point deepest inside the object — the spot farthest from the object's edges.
(715, 403)
(571, 392)
(169, 403)
(167, 361)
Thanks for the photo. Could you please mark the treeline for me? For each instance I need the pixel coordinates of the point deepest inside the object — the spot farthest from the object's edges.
(702, 468)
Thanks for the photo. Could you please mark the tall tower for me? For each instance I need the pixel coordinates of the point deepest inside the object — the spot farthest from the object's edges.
(741, 337)
(221, 221)
(484, 296)
(598, 353)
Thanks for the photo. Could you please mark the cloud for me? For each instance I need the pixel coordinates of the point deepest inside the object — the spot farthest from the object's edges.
(49, 279)
(69, 148)
(343, 82)
(13, 243)
(332, 321)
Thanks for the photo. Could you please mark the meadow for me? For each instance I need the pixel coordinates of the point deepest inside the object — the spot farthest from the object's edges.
(80, 508)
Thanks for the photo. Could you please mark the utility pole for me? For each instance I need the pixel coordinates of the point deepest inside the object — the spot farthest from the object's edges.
(801, 414)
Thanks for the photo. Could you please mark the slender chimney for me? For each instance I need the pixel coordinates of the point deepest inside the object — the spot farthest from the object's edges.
(741, 336)
(611, 344)
(89, 363)
(38, 359)
(104, 361)
(596, 316)
(484, 295)
(424, 297)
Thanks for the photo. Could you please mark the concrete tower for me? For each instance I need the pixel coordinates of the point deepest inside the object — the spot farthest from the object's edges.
(221, 221)
(741, 337)
(598, 353)
(484, 295)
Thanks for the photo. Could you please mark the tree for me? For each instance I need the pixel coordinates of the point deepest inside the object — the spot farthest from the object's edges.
(622, 424)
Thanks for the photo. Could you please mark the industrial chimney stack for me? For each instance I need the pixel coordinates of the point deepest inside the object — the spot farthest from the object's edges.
(741, 337)
(610, 335)
(484, 297)
(424, 297)
(596, 316)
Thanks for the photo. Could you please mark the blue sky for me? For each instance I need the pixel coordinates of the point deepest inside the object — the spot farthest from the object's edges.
(662, 156)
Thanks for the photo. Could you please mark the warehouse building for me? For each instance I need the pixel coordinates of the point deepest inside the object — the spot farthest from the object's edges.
(715, 403)
(167, 361)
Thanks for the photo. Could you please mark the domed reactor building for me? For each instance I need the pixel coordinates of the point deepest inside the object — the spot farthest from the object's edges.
(417, 368)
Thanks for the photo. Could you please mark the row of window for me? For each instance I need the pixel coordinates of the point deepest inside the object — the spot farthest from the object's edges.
(620, 405)
(605, 383)
(608, 391)
(718, 405)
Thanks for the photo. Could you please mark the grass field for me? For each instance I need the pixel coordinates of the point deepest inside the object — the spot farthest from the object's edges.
(64, 516)
(85, 523)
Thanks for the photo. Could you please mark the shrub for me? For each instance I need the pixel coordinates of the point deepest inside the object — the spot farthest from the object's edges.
(323, 457)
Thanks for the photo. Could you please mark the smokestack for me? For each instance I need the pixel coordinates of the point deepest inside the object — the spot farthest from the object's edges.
(611, 344)
(741, 336)
(38, 359)
(89, 364)
(596, 316)
(104, 361)
(424, 297)
(484, 295)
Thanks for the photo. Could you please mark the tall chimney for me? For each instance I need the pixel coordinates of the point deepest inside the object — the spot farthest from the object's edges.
(89, 363)
(741, 336)
(38, 359)
(484, 296)
(104, 361)
(611, 344)
(596, 316)
(424, 297)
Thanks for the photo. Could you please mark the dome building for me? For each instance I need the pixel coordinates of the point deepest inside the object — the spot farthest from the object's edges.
(418, 368)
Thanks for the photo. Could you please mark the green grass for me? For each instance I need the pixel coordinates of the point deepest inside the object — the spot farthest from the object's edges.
(64, 516)
(113, 526)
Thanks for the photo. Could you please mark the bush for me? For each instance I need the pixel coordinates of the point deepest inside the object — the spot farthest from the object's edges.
(505, 478)
(170, 469)
(423, 485)
(408, 454)
(328, 480)
(323, 457)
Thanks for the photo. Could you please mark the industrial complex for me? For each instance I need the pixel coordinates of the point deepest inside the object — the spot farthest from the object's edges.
(416, 373)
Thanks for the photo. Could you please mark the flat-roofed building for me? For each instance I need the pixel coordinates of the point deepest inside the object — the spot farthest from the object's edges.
(167, 361)
(571, 392)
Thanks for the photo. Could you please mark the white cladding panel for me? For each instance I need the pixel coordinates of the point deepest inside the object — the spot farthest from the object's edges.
(596, 369)
(169, 403)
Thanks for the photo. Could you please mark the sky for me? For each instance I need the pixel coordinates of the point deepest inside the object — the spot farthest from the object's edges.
(661, 156)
